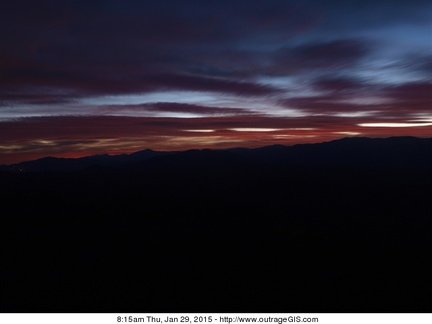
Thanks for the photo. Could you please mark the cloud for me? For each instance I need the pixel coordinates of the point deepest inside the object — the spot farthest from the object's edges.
(331, 104)
(326, 56)
(96, 127)
(340, 85)
(339, 52)
(395, 125)
(337, 63)
(412, 92)
(29, 98)
(174, 107)
(410, 100)
(73, 136)
(346, 95)
(196, 83)
(48, 89)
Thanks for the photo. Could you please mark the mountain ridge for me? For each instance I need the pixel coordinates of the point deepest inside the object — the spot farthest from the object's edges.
(240, 223)
(351, 151)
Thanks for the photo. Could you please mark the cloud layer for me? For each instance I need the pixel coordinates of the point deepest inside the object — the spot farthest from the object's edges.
(88, 76)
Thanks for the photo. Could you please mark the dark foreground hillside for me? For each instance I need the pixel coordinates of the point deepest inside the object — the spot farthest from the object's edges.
(217, 237)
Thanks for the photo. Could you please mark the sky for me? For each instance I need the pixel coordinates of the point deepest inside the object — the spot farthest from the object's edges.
(90, 77)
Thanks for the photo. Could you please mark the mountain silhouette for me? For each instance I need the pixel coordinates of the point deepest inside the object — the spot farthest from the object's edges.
(70, 164)
(342, 226)
(391, 152)
(360, 151)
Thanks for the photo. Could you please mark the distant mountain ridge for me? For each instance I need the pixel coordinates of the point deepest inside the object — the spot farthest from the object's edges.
(328, 223)
(76, 164)
(354, 151)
